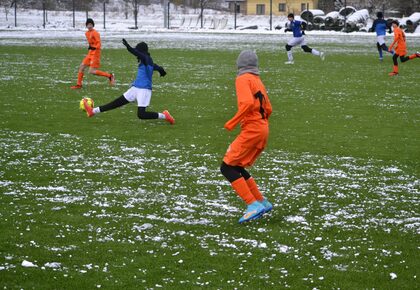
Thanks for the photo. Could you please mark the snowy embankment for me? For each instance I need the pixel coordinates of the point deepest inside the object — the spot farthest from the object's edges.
(184, 32)
(151, 18)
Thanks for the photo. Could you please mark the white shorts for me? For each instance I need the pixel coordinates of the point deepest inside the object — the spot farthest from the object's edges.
(380, 39)
(142, 96)
(297, 41)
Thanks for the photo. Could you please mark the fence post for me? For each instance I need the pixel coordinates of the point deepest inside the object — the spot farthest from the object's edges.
(74, 16)
(43, 14)
(169, 7)
(271, 14)
(345, 16)
(104, 15)
(165, 13)
(15, 13)
(135, 14)
(234, 18)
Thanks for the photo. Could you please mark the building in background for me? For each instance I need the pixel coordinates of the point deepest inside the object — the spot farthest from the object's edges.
(279, 7)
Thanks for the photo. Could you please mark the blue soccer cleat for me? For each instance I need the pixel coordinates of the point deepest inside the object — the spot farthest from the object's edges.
(267, 205)
(254, 211)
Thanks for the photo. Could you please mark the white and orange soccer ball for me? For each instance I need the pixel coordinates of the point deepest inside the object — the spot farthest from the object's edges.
(89, 102)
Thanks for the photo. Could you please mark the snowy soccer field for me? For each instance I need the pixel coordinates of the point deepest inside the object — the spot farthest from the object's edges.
(115, 202)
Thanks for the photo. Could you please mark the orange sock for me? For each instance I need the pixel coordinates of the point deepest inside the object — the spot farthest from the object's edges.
(252, 185)
(80, 78)
(242, 189)
(102, 73)
(412, 56)
(396, 68)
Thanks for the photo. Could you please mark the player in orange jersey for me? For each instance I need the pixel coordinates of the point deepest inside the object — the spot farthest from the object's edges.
(254, 109)
(93, 58)
(400, 49)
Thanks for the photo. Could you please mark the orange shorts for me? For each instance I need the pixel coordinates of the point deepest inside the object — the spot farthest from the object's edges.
(401, 51)
(247, 147)
(92, 61)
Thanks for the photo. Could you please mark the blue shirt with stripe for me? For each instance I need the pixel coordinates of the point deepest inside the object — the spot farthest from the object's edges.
(296, 28)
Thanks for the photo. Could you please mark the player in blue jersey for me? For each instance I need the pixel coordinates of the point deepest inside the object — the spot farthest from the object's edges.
(380, 26)
(141, 89)
(298, 39)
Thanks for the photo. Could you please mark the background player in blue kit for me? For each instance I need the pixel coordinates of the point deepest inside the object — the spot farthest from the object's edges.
(380, 26)
(298, 39)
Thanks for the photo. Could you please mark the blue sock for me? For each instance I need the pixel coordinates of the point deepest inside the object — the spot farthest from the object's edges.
(380, 52)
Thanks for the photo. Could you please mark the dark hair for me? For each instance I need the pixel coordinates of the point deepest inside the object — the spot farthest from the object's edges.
(90, 20)
(380, 15)
(395, 22)
(142, 47)
(291, 15)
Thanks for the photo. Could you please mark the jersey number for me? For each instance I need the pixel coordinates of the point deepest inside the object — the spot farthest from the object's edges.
(260, 96)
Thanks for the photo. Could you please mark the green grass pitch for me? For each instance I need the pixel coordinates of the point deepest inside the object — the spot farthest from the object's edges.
(121, 203)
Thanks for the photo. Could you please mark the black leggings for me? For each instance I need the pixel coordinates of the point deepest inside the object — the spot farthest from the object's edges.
(142, 114)
(306, 48)
(233, 173)
(118, 102)
(402, 58)
(121, 101)
(382, 47)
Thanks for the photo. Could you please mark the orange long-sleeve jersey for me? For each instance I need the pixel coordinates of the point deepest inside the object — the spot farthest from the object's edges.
(94, 40)
(253, 102)
(399, 39)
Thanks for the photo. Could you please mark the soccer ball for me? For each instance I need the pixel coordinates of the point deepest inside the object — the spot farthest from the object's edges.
(89, 102)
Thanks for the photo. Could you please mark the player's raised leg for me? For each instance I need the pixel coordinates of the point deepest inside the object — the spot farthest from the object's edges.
(410, 57)
(109, 76)
(118, 102)
(313, 51)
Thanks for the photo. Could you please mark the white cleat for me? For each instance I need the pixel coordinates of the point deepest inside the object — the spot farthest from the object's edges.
(289, 62)
(322, 55)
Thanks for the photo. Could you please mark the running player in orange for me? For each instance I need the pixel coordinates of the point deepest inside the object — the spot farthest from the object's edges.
(254, 109)
(93, 58)
(400, 49)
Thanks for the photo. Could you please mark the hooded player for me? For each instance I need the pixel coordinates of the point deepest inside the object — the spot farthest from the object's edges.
(93, 58)
(141, 89)
(254, 109)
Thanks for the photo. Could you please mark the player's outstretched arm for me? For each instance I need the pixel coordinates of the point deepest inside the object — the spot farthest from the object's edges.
(128, 46)
(140, 55)
(160, 69)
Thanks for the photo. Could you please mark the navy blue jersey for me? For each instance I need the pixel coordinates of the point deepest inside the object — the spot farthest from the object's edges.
(379, 26)
(296, 27)
(145, 69)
